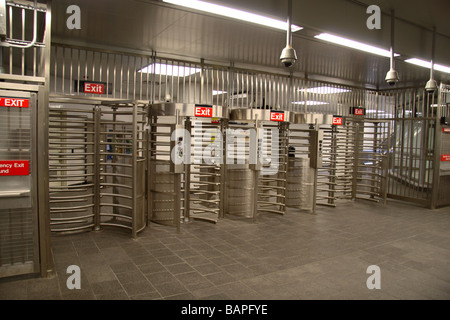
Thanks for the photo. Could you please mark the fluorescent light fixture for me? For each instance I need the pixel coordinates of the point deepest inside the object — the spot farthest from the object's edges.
(234, 13)
(325, 90)
(310, 103)
(169, 70)
(427, 64)
(375, 111)
(354, 44)
(217, 92)
(238, 96)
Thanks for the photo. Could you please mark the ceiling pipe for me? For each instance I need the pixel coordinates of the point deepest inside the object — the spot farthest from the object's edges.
(431, 85)
(288, 56)
(392, 76)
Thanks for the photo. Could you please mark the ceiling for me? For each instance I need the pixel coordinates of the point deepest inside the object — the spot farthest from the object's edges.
(168, 30)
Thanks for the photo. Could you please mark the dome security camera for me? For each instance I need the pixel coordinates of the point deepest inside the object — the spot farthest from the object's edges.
(288, 56)
(431, 85)
(392, 77)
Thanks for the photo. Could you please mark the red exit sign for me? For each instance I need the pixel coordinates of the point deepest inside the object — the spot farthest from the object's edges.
(14, 102)
(14, 168)
(276, 116)
(358, 112)
(95, 88)
(337, 121)
(445, 157)
(203, 111)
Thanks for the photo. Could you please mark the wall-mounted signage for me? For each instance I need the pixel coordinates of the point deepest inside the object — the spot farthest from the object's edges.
(203, 111)
(14, 102)
(14, 168)
(445, 157)
(358, 111)
(445, 129)
(337, 121)
(276, 116)
(92, 87)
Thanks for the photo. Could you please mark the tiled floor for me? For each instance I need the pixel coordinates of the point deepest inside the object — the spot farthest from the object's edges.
(295, 256)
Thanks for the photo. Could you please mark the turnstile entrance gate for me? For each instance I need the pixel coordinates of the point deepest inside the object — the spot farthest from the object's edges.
(97, 165)
(355, 162)
(186, 176)
(307, 155)
(256, 168)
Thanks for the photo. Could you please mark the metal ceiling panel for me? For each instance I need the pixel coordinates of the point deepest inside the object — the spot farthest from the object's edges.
(150, 26)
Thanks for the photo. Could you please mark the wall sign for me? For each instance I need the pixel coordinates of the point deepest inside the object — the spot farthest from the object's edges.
(203, 111)
(14, 102)
(445, 157)
(276, 116)
(358, 111)
(337, 121)
(92, 87)
(14, 168)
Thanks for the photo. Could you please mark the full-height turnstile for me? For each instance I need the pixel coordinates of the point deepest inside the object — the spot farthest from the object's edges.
(121, 159)
(307, 154)
(355, 160)
(256, 155)
(97, 166)
(186, 176)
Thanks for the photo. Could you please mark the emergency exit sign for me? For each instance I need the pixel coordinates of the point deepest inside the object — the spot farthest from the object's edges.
(92, 87)
(14, 102)
(14, 168)
(337, 121)
(357, 111)
(203, 111)
(276, 116)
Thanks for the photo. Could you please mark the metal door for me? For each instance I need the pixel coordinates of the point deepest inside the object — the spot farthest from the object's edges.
(19, 249)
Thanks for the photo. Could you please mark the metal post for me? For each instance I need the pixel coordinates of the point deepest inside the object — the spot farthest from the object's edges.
(134, 179)
(46, 258)
(187, 175)
(96, 181)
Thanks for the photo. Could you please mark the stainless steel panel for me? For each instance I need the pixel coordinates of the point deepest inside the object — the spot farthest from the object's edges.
(310, 118)
(241, 195)
(300, 184)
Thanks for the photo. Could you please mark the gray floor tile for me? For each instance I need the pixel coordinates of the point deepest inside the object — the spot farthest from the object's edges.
(295, 256)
